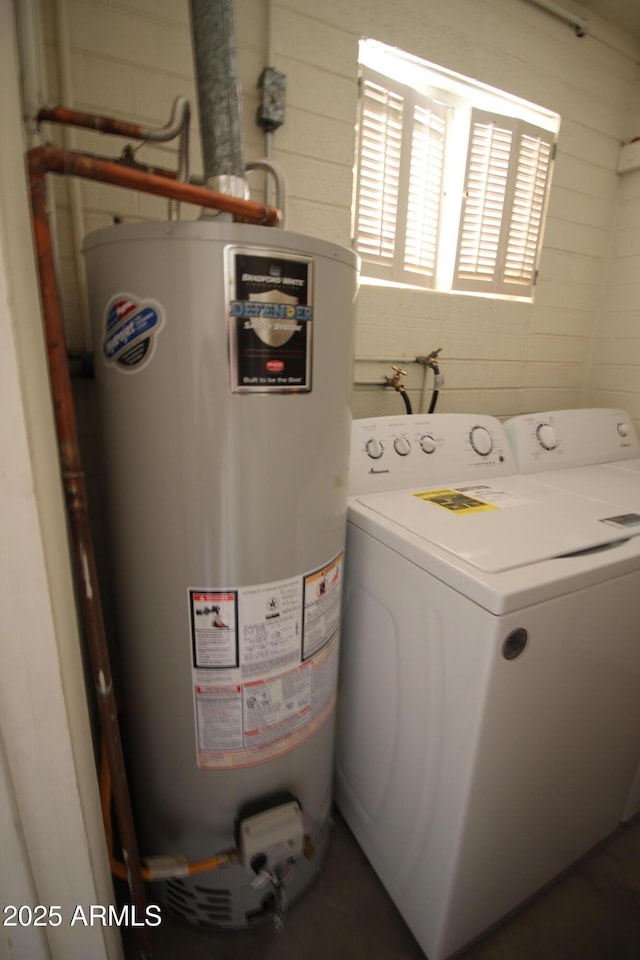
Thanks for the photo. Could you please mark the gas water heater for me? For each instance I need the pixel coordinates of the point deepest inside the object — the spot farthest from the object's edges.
(224, 364)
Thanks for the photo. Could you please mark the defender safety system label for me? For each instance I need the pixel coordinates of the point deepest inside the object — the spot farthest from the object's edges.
(264, 665)
(270, 321)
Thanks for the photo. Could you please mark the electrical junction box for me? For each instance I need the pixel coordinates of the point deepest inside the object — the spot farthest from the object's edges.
(273, 85)
(629, 159)
(272, 837)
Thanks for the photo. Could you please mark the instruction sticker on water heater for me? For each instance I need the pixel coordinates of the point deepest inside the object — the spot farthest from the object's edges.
(265, 662)
(270, 321)
(214, 628)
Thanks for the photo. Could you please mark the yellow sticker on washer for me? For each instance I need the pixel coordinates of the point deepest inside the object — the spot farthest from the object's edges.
(455, 501)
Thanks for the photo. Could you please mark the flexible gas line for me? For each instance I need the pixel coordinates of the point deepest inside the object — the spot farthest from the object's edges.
(161, 867)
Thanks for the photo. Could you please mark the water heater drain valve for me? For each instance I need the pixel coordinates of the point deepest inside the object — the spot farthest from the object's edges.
(272, 838)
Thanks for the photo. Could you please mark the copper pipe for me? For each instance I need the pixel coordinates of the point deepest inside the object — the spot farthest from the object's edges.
(178, 125)
(51, 159)
(40, 161)
(90, 121)
(77, 506)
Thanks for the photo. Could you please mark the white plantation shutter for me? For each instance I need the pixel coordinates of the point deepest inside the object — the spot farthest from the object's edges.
(414, 182)
(508, 168)
(378, 172)
(400, 170)
(525, 228)
(424, 190)
(485, 191)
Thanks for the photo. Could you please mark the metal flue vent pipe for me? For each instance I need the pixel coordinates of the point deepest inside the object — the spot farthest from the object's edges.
(219, 98)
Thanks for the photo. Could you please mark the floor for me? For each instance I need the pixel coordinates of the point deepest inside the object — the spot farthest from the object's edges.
(593, 913)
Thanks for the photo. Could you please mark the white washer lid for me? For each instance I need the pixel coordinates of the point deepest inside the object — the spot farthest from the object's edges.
(617, 482)
(502, 524)
(626, 466)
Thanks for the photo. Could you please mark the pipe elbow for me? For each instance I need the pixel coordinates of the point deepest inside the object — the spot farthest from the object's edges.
(180, 118)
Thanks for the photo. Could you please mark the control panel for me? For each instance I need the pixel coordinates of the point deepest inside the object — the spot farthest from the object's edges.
(394, 453)
(560, 439)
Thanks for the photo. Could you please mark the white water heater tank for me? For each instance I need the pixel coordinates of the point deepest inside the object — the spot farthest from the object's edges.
(223, 358)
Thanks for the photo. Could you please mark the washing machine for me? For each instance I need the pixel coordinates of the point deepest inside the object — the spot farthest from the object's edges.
(488, 713)
(591, 452)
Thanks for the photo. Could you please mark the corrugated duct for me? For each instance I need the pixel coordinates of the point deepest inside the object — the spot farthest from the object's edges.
(219, 98)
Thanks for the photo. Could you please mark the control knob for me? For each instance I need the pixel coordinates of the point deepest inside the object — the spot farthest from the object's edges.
(374, 448)
(401, 446)
(546, 436)
(427, 443)
(481, 441)
(623, 429)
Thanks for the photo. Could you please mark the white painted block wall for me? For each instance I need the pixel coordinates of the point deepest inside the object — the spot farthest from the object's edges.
(614, 373)
(131, 58)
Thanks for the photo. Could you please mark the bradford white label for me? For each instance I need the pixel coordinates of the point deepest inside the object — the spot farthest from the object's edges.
(270, 317)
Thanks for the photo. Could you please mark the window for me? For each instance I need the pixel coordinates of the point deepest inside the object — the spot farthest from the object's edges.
(452, 179)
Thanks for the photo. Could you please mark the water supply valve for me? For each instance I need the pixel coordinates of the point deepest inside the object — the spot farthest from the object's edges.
(396, 380)
(431, 361)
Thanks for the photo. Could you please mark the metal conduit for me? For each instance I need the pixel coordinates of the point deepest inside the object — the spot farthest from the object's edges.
(282, 187)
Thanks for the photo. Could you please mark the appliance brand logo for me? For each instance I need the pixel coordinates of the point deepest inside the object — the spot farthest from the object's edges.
(131, 327)
(376, 472)
(275, 270)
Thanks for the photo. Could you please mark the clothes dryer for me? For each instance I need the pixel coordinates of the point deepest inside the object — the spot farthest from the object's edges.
(577, 450)
(590, 452)
(488, 702)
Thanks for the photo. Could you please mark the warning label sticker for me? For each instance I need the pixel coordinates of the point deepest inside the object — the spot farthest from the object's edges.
(214, 628)
(219, 716)
(322, 593)
(456, 501)
(265, 661)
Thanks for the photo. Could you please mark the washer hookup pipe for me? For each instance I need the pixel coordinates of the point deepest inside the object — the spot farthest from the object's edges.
(397, 383)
